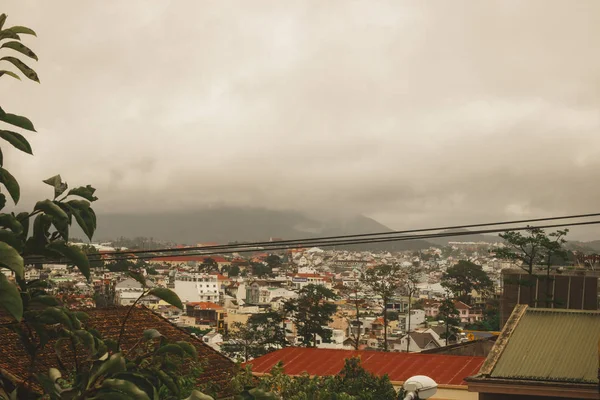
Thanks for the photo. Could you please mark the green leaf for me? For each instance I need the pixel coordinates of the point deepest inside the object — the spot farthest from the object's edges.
(11, 259)
(55, 315)
(23, 220)
(2, 199)
(17, 120)
(21, 29)
(9, 73)
(11, 184)
(6, 34)
(138, 277)
(115, 364)
(110, 396)
(10, 298)
(167, 295)
(87, 192)
(83, 215)
(168, 382)
(46, 300)
(24, 68)
(125, 387)
(172, 349)
(196, 395)
(17, 140)
(140, 381)
(11, 222)
(82, 316)
(21, 48)
(74, 254)
(51, 208)
(12, 239)
(150, 334)
(86, 339)
(188, 348)
(2, 20)
(58, 185)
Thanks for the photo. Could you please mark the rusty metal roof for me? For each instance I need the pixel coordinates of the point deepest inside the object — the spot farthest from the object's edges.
(444, 369)
(552, 345)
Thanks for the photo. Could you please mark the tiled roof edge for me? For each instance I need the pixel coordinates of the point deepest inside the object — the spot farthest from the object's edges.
(490, 362)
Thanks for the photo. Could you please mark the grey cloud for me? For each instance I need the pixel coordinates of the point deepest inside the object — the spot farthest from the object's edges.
(413, 113)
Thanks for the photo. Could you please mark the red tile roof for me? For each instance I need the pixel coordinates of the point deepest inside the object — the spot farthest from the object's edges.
(205, 305)
(218, 369)
(444, 369)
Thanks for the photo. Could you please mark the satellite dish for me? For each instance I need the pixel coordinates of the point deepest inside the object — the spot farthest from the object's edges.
(419, 387)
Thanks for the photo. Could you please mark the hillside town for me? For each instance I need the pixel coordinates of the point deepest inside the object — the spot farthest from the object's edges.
(223, 292)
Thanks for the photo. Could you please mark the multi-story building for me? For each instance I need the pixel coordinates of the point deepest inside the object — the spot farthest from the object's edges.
(195, 287)
(564, 288)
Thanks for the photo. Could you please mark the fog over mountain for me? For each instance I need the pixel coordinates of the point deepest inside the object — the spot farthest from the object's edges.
(415, 114)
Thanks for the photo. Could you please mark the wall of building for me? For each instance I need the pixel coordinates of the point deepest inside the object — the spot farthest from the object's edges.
(196, 288)
(571, 290)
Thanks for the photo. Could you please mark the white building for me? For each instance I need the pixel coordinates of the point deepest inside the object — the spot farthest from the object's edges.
(129, 290)
(192, 287)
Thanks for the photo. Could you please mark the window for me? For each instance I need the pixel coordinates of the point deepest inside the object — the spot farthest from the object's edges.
(463, 312)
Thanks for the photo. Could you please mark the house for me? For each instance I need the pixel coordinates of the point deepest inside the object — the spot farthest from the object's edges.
(416, 342)
(218, 370)
(301, 280)
(129, 290)
(570, 289)
(195, 287)
(448, 371)
(466, 313)
(542, 353)
(206, 314)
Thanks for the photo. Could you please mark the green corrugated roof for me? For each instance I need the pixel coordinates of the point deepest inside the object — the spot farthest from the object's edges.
(552, 345)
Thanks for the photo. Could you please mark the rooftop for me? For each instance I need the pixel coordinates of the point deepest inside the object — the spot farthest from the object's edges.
(444, 369)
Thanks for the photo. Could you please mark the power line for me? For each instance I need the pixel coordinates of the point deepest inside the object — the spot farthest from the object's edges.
(360, 235)
(233, 249)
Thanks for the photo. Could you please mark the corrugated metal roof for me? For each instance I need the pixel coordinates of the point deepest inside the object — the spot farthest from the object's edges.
(444, 369)
(552, 345)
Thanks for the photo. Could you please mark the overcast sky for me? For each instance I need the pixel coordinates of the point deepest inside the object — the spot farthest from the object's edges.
(414, 113)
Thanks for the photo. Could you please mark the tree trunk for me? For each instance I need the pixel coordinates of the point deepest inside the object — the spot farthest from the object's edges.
(408, 325)
(356, 341)
(549, 297)
(385, 343)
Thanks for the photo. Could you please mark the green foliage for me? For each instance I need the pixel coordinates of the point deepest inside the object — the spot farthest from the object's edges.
(209, 265)
(352, 383)
(313, 311)
(262, 334)
(95, 368)
(385, 281)
(532, 249)
(464, 277)
(450, 317)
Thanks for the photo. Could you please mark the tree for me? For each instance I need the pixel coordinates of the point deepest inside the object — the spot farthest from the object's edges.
(37, 317)
(262, 334)
(234, 270)
(384, 281)
(553, 254)
(244, 342)
(209, 265)
(261, 270)
(353, 382)
(273, 261)
(531, 249)
(354, 291)
(412, 280)
(313, 312)
(450, 317)
(93, 256)
(464, 277)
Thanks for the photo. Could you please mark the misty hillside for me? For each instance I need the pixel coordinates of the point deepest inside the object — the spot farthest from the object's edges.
(223, 225)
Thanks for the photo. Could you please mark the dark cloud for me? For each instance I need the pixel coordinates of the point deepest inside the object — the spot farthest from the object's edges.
(413, 113)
